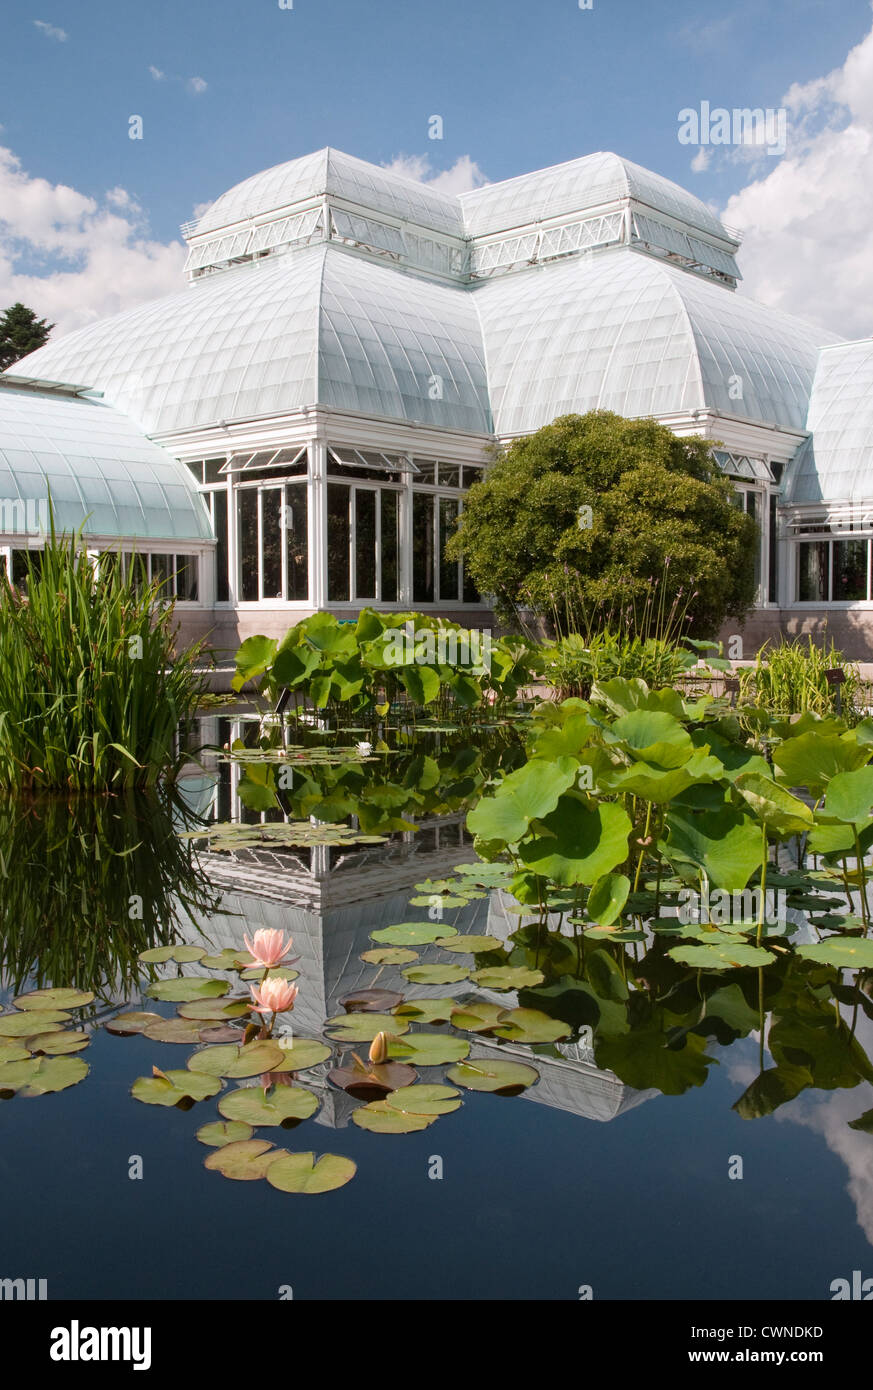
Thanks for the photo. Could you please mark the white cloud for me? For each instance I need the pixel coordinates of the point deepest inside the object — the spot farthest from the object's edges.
(808, 221)
(156, 73)
(196, 84)
(460, 178)
(51, 31)
(73, 258)
(701, 160)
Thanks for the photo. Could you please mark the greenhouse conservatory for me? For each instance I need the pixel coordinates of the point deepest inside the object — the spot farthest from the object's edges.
(298, 425)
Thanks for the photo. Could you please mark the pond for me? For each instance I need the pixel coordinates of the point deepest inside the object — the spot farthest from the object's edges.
(569, 1153)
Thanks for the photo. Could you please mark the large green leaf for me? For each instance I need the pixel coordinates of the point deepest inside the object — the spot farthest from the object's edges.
(528, 794)
(173, 1087)
(493, 1074)
(530, 1026)
(424, 1100)
(300, 1173)
(720, 957)
(642, 1058)
(812, 759)
(435, 974)
(54, 999)
(218, 1133)
(781, 812)
(429, 1049)
(25, 1024)
(850, 796)
(41, 1075)
(251, 1059)
(607, 898)
(275, 1106)
(186, 988)
(244, 1160)
(382, 1119)
(582, 841)
(252, 659)
(412, 933)
(507, 977)
(850, 952)
(653, 737)
(726, 844)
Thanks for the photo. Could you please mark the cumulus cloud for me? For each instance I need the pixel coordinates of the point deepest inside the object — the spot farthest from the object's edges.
(808, 221)
(51, 31)
(74, 258)
(460, 178)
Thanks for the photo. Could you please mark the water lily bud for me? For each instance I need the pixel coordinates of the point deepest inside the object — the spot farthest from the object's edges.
(379, 1049)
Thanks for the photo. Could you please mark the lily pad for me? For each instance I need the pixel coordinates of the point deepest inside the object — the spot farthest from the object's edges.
(172, 1087)
(244, 1160)
(503, 1078)
(388, 955)
(275, 972)
(273, 1107)
(424, 1100)
(507, 977)
(370, 1001)
(435, 974)
(174, 1030)
(24, 1025)
(300, 1053)
(125, 1025)
(215, 1009)
(186, 988)
(375, 1082)
(12, 1051)
(426, 1010)
(41, 1075)
(247, 1059)
(363, 1027)
(469, 945)
(54, 999)
(381, 1119)
(853, 952)
(218, 1133)
(58, 1044)
(531, 1026)
(720, 957)
(302, 1173)
(184, 955)
(477, 1018)
(412, 933)
(218, 1033)
(156, 955)
(429, 1049)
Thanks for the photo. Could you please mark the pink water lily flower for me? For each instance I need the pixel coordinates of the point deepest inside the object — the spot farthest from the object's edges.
(273, 996)
(268, 947)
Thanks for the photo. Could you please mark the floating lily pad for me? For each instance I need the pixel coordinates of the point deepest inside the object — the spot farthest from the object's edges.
(504, 1078)
(429, 1049)
(12, 1051)
(445, 901)
(215, 1009)
(424, 1100)
(363, 1027)
(371, 1001)
(301, 1173)
(124, 1025)
(186, 988)
(184, 955)
(507, 977)
(156, 955)
(275, 972)
(174, 1030)
(218, 1133)
(426, 1010)
(24, 1025)
(531, 1026)
(248, 1059)
(218, 1033)
(435, 974)
(172, 1087)
(469, 945)
(375, 1082)
(273, 1107)
(720, 957)
(854, 952)
(381, 1119)
(616, 933)
(244, 1160)
(54, 999)
(477, 1018)
(300, 1053)
(388, 955)
(59, 1043)
(412, 933)
(41, 1075)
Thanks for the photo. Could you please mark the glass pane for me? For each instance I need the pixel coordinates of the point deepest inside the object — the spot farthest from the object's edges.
(849, 570)
(752, 510)
(472, 475)
(365, 543)
(450, 475)
(297, 541)
(426, 470)
(162, 569)
(773, 585)
(271, 541)
(19, 566)
(212, 470)
(219, 522)
(338, 533)
(422, 548)
(448, 568)
(197, 470)
(390, 547)
(186, 578)
(247, 517)
(812, 572)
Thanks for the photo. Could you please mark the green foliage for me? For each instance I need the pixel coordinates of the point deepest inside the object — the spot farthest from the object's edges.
(659, 506)
(21, 332)
(92, 692)
(789, 678)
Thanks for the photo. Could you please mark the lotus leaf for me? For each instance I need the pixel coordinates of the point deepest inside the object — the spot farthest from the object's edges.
(531, 1026)
(429, 1049)
(507, 977)
(388, 955)
(853, 952)
(477, 1017)
(412, 933)
(215, 1009)
(435, 974)
(530, 793)
(718, 957)
(469, 945)
(582, 841)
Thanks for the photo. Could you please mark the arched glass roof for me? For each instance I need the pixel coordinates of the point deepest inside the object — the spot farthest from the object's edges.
(329, 171)
(317, 327)
(623, 332)
(572, 187)
(835, 464)
(104, 475)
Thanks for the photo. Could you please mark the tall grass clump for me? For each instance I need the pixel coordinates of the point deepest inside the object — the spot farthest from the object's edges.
(91, 690)
(789, 678)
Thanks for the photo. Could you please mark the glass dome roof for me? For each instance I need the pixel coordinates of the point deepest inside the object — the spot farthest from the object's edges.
(317, 327)
(104, 475)
(620, 331)
(834, 465)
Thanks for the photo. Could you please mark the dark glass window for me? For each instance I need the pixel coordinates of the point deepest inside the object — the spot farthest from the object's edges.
(849, 570)
(338, 533)
(422, 547)
(812, 572)
(297, 541)
(219, 523)
(773, 582)
(271, 542)
(450, 475)
(247, 524)
(390, 546)
(448, 568)
(186, 578)
(365, 543)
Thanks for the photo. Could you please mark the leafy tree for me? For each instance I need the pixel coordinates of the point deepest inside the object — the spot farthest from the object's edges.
(21, 332)
(661, 516)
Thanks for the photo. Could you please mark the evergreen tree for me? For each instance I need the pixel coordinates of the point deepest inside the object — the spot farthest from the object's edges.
(21, 332)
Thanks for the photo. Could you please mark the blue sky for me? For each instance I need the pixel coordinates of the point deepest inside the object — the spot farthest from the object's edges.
(246, 85)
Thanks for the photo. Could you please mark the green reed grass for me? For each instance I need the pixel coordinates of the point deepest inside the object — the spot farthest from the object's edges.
(91, 690)
(789, 678)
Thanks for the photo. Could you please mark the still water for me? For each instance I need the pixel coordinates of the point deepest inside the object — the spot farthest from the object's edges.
(589, 1183)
